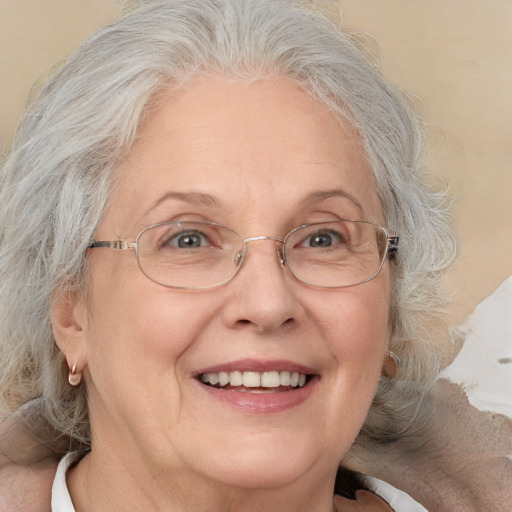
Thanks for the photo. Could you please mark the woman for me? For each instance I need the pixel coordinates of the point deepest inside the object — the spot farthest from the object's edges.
(219, 262)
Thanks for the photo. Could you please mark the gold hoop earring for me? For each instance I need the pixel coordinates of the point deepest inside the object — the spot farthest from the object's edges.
(391, 365)
(74, 376)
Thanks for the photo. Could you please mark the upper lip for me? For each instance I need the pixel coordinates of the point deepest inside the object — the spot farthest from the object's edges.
(255, 365)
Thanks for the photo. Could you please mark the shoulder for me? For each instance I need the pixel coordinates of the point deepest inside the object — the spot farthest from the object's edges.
(26, 488)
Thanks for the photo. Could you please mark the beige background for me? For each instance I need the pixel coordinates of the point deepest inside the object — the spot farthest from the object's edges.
(454, 57)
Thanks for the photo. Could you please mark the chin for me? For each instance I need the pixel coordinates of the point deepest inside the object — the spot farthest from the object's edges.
(262, 462)
(260, 474)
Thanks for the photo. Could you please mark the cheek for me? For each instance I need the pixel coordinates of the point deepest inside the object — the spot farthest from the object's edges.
(357, 331)
(354, 325)
(137, 343)
(141, 329)
(357, 324)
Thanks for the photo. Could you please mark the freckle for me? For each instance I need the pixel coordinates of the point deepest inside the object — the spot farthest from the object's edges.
(505, 360)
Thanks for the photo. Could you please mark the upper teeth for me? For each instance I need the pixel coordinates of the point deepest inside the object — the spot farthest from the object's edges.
(272, 379)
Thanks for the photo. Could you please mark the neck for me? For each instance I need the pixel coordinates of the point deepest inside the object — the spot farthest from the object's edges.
(100, 484)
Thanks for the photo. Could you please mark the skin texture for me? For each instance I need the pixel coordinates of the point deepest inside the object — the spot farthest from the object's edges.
(268, 157)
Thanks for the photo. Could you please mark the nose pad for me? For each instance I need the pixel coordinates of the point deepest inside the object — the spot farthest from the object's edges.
(239, 256)
(280, 255)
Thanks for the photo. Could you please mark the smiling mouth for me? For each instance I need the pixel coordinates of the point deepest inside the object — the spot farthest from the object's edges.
(255, 382)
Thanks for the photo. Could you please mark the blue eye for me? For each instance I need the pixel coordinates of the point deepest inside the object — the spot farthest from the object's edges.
(323, 238)
(190, 239)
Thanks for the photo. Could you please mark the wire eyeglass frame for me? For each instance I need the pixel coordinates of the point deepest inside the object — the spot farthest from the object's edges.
(391, 248)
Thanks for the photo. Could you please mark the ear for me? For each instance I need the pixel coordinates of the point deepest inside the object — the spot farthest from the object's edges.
(69, 317)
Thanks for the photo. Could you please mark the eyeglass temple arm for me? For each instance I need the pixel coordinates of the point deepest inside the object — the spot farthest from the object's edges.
(117, 244)
(393, 242)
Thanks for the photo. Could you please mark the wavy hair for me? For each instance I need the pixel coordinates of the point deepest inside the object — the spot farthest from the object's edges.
(57, 179)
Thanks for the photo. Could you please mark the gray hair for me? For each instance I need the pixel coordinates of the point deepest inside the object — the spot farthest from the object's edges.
(56, 182)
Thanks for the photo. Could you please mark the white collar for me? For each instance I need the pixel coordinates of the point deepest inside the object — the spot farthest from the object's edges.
(61, 500)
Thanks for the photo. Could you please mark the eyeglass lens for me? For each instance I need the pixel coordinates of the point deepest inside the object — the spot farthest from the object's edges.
(195, 255)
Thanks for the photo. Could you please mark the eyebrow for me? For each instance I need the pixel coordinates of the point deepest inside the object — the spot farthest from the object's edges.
(202, 199)
(197, 198)
(322, 195)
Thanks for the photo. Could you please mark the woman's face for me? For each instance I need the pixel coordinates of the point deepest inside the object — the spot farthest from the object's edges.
(261, 158)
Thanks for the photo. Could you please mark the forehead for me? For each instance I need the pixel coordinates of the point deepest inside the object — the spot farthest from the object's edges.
(245, 148)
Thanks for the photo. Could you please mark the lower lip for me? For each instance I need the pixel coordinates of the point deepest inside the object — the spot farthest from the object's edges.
(262, 403)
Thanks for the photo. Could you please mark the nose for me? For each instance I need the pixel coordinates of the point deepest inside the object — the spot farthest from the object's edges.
(263, 293)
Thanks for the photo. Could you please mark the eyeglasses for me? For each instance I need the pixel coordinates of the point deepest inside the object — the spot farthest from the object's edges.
(196, 255)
